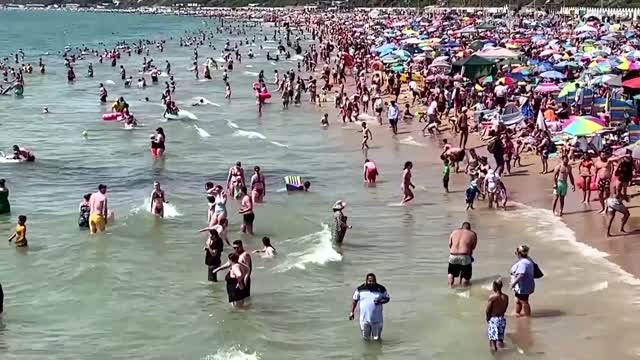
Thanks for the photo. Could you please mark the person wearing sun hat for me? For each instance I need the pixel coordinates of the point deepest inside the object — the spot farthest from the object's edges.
(340, 225)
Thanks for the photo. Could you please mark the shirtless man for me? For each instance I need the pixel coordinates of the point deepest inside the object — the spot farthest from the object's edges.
(244, 258)
(496, 322)
(157, 200)
(405, 183)
(246, 210)
(370, 171)
(235, 179)
(561, 172)
(454, 154)
(462, 243)
(366, 136)
(98, 210)
(615, 205)
(463, 126)
(604, 168)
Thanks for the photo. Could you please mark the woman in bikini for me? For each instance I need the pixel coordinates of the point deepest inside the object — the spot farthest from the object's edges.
(235, 180)
(157, 143)
(157, 200)
(258, 186)
(585, 172)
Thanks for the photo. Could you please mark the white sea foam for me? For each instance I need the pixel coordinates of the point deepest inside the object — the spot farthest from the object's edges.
(110, 82)
(409, 140)
(603, 285)
(232, 124)
(279, 144)
(367, 117)
(317, 249)
(250, 73)
(249, 66)
(557, 230)
(203, 133)
(169, 210)
(231, 354)
(249, 134)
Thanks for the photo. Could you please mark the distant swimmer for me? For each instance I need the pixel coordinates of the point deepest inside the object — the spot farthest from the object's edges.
(20, 234)
(98, 209)
(45, 110)
(496, 322)
(22, 154)
(157, 143)
(324, 121)
(268, 250)
(158, 200)
(198, 103)
(370, 171)
(462, 243)
(340, 224)
(405, 183)
(295, 183)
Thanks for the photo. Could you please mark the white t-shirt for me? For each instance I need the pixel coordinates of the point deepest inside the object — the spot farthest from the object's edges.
(433, 107)
(412, 85)
(500, 91)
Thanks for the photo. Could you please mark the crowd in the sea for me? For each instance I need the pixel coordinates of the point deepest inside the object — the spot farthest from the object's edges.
(555, 87)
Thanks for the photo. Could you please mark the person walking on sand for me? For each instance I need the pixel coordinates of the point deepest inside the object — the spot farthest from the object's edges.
(561, 172)
(585, 173)
(405, 183)
(496, 322)
(462, 243)
(370, 296)
(604, 168)
(615, 205)
(392, 114)
(463, 126)
(522, 281)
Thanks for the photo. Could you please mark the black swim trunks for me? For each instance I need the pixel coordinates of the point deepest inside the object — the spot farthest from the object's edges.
(248, 218)
(458, 270)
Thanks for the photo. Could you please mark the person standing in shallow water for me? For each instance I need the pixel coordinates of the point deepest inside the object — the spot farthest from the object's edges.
(496, 322)
(5, 207)
(522, 281)
(371, 296)
(340, 225)
(405, 183)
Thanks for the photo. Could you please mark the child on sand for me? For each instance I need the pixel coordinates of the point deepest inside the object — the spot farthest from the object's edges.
(20, 235)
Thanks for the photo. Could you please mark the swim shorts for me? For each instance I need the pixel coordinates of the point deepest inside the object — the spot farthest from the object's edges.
(371, 331)
(615, 205)
(496, 327)
(460, 266)
(372, 173)
(248, 218)
(522, 297)
(96, 223)
(603, 184)
(561, 188)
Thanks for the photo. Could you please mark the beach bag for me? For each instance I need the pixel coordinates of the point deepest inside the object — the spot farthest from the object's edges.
(537, 273)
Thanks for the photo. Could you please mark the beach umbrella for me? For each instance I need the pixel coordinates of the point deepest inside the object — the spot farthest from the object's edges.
(581, 127)
(552, 75)
(585, 117)
(543, 67)
(488, 80)
(563, 64)
(585, 28)
(506, 81)
(569, 88)
(632, 83)
(634, 148)
(546, 88)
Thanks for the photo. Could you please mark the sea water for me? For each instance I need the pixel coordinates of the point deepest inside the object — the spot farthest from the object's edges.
(140, 291)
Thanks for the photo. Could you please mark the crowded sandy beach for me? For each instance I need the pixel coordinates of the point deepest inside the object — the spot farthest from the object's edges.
(326, 165)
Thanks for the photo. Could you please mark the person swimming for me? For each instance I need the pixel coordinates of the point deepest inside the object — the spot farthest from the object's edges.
(22, 154)
(268, 250)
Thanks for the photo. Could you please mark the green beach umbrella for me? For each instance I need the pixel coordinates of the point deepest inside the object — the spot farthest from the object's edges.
(569, 88)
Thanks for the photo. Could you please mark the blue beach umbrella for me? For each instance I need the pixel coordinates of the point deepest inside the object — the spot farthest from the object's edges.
(552, 75)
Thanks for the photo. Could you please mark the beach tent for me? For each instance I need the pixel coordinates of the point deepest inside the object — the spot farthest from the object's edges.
(474, 67)
(634, 133)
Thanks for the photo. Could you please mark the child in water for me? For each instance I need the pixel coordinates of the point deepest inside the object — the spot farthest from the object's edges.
(20, 235)
(268, 250)
(471, 193)
(446, 170)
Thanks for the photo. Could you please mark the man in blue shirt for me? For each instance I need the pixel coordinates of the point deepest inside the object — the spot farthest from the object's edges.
(371, 297)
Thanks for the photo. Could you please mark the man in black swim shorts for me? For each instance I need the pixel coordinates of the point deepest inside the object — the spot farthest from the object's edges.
(246, 210)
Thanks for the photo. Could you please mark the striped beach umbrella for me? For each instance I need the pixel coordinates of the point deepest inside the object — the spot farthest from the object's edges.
(581, 127)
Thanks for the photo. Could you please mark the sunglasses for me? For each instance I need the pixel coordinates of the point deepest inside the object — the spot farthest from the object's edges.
(236, 247)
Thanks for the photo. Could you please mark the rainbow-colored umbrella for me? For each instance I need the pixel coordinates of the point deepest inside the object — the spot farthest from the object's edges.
(581, 127)
(596, 120)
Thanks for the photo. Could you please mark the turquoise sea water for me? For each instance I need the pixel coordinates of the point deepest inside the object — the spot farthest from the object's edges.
(140, 290)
